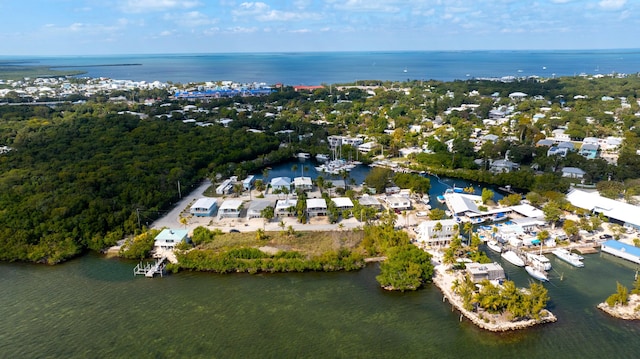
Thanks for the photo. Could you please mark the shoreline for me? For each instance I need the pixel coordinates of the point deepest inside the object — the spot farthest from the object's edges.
(625, 312)
(486, 320)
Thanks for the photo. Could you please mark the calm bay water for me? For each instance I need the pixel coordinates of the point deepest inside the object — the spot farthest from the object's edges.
(311, 68)
(94, 307)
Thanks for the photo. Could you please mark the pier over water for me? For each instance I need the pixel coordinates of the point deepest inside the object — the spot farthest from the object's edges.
(149, 270)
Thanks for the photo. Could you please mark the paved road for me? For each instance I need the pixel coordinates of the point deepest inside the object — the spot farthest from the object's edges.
(172, 219)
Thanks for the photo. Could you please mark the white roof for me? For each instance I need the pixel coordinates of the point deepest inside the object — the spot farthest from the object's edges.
(204, 203)
(367, 200)
(302, 181)
(592, 201)
(316, 203)
(341, 202)
(286, 203)
(231, 204)
(460, 202)
(528, 210)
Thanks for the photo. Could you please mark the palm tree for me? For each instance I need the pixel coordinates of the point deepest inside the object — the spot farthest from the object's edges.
(468, 228)
(320, 183)
(184, 221)
(294, 168)
(265, 175)
(267, 213)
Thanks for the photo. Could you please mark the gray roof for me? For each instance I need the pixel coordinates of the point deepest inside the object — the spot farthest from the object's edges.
(566, 144)
(574, 170)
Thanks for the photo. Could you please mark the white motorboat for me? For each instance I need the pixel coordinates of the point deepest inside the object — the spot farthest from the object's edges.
(494, 246)
(322, 157)
(539, 261)
(567, 256)
(303, 156)
(513, 258)
(536, 273)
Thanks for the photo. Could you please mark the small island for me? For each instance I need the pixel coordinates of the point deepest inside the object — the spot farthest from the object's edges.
(623, 305)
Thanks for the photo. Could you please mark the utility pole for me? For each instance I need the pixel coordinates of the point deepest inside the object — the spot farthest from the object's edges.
(179, 193)
(138, 214)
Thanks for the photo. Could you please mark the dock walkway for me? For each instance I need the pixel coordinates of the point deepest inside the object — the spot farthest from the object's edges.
(149, 270)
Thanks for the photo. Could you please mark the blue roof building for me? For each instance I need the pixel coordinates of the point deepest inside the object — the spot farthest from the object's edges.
(622, 250)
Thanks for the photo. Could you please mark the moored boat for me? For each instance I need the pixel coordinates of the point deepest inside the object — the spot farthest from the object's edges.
(538, 261)
(536, 273)
(513, 258)
(494, 246)
(303, 155)
(567, 256)
(322, 157)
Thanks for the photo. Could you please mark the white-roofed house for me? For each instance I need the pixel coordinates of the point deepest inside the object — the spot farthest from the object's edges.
(316, 207)
(342, 203)
(283, 207)
(437, 233)
(204, 207)
(398, 203)
(303, 183)
(230, 208)
(169, 238)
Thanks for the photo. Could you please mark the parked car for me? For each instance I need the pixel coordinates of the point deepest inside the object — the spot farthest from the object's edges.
(234, 231)
(606, 236)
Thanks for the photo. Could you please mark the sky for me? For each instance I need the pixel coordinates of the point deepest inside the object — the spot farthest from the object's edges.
(102, 27)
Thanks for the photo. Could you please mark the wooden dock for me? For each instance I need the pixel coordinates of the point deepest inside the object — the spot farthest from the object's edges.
(149, 270)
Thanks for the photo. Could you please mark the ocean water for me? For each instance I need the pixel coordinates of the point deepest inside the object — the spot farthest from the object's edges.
(315, 68)
(95, 308)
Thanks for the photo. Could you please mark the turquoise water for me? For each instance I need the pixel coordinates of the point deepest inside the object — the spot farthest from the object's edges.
(314, 68)
(94, 307)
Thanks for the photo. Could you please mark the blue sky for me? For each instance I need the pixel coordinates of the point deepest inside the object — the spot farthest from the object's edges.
(87, 27)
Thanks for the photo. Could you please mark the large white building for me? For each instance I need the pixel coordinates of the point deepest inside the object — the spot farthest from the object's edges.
(437, 233)
(626, 214)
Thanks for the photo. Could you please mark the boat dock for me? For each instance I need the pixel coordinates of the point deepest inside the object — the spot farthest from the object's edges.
(149, 270)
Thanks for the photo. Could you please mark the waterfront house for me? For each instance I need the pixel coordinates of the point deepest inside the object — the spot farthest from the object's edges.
(256, 206)
(556, 151)
(247, 183)
(303, 183)
(168, 239)
(573, 172)
(283, 207)
(203, 207)
(437, 233)
(481, 271)
(226, 186)
(230, 208)
(316, 207)
(281, 183)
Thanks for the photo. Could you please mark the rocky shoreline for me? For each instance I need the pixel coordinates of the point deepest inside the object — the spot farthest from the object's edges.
(626, 312)
(487, 321)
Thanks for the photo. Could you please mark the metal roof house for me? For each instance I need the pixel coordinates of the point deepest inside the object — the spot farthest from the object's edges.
(316, 207)
(204, 207)
(256, 206)
(280, 183)
(573, 172)
(169, 238)
(283, 205)
(230, 208)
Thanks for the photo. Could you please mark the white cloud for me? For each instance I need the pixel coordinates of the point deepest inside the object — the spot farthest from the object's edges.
(190, 19)
(263, 12)
(612, 4)
(366, 5)
(138, 6)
